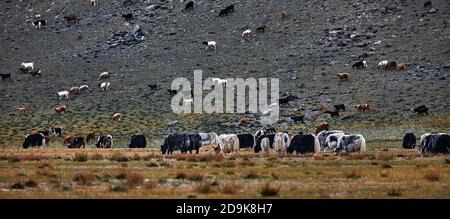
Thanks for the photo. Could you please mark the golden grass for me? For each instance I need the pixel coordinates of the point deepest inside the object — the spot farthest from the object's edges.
(242, 175)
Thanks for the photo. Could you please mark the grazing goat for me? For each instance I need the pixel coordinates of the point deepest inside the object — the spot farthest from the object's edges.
(383, 64)
(27, 66)
(339, 107)
(261, 28)
(35, 72)
(189, 5)
(246, 33)
(21, 110)
(333, 114)
(83, 88)
(40, 24)
(105, 86)
(322, 126)
(245, 122)
(74, 90)
(298, 118)
(61, 109)
(62, 94)
(5, 76)
(128, 17)
(103, 75)
(70, 18)
(210, 44)
(343, 76)
(360, 64)
(227, 10)
(362, 107)
(401, 67)
(94, 2)
(391, 65)
(117, 117)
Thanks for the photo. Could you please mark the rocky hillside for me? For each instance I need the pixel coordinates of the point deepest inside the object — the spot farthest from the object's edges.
(305, 51)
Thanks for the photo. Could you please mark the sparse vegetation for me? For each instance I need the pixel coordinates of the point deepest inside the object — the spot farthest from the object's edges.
(395, 192)
(269, 190)
(61, 177)
(432, 175)
(203, 187)
(84, 177)
(352, 174)
(251, 174)
(81, 157)
(134, 179)
(230, 188)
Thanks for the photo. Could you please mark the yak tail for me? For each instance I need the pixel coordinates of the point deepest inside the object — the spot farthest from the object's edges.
(363, 145)
(316, 145)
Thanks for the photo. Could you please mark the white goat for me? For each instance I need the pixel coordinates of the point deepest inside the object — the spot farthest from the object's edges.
(103, 75)
(62, 94)
(210, 44)
(27, 65)
(105, 86)
(246, 33)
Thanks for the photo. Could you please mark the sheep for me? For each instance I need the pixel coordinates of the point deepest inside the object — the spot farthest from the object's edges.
(70, 18)
(83, 88)
(61, 109)
(401, 66)
(261, 28)
(383, 64)
(105, 86)
(5, 76)
(94, 2)
(117, 116)
(35, 72)
(74, 90)
(40, 24)
(210, 44)
(246, 33)
(21, 110)
(103, 75)
(343, 75)
(63, 94)
(27, 66)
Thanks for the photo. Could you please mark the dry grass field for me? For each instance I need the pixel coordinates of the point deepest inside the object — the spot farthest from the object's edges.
(145, 173)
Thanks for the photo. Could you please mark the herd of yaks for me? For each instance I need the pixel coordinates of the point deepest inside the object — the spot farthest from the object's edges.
(265, 141)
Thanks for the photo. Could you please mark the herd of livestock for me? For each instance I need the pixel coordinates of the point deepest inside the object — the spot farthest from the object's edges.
(265, 141)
